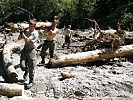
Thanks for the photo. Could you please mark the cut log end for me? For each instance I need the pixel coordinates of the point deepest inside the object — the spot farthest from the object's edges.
(11, 90)
(67, 75)
(12, 73)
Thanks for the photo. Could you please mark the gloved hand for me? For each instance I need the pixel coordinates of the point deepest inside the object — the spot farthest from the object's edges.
(21, 32)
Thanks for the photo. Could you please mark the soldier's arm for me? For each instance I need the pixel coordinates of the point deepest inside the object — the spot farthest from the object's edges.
(54, 31)
(26, 39)
(19, 37)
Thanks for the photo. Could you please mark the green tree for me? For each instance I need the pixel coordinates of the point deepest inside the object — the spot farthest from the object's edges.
(109, 12)
(74, 12)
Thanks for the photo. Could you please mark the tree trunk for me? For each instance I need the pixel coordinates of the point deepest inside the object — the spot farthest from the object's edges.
(92, 56)
(8, 50)
(12, 73)
(14, 27)
(11, 90)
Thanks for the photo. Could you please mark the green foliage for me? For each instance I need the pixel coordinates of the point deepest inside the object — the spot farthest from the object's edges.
(41, 35)
(74, 12)
(111, 11)
(127, 19)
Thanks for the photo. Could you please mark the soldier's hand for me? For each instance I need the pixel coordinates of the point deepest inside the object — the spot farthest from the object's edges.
(22, 32)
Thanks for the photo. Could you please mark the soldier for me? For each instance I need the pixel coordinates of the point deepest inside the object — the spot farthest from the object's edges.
(68, 33)
(49, 42)
(28, 54)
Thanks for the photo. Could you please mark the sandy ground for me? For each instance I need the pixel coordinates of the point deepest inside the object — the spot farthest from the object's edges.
(103, 80)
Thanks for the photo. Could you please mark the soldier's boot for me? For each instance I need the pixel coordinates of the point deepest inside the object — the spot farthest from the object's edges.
(68, 46)
(43, 60)
(30, 83)
(42, 63)
(63, 45)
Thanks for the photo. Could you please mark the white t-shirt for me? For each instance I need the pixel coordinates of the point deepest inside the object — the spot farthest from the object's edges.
(33, 36)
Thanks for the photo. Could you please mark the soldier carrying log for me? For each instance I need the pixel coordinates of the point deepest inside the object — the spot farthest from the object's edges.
(28, 54)
(49, 42)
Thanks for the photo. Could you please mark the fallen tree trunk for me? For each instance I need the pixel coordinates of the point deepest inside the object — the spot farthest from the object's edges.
(8, 50)
(92, 56)
(11, 90)
(12, 73)
(38, 24)
(15, 27)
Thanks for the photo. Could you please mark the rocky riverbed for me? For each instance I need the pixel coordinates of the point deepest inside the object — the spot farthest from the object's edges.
(102, 80)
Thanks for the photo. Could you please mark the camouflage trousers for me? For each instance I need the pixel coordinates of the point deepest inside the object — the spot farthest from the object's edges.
(48, 44)
(67, 39)
(28, 61)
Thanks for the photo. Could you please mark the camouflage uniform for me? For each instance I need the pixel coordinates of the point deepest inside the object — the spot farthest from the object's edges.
(28, 54)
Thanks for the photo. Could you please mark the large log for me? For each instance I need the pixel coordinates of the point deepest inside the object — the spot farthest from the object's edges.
(11, 90)
(8, 50)
(12, 73)
(44, 24)
(15, 27)
(38, 24)
(92, 56)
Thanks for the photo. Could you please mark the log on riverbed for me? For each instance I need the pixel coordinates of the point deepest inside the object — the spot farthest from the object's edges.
(8, 50)
(11, 90)
(12, 73)
(92, 56)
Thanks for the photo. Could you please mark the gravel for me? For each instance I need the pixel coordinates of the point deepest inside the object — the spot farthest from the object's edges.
(103, 80)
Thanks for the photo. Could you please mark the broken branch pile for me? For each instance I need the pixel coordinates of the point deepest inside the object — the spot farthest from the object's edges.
(105, 40)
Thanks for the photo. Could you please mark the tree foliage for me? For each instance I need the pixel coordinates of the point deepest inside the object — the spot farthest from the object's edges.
(109, 12)
(74, 12)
